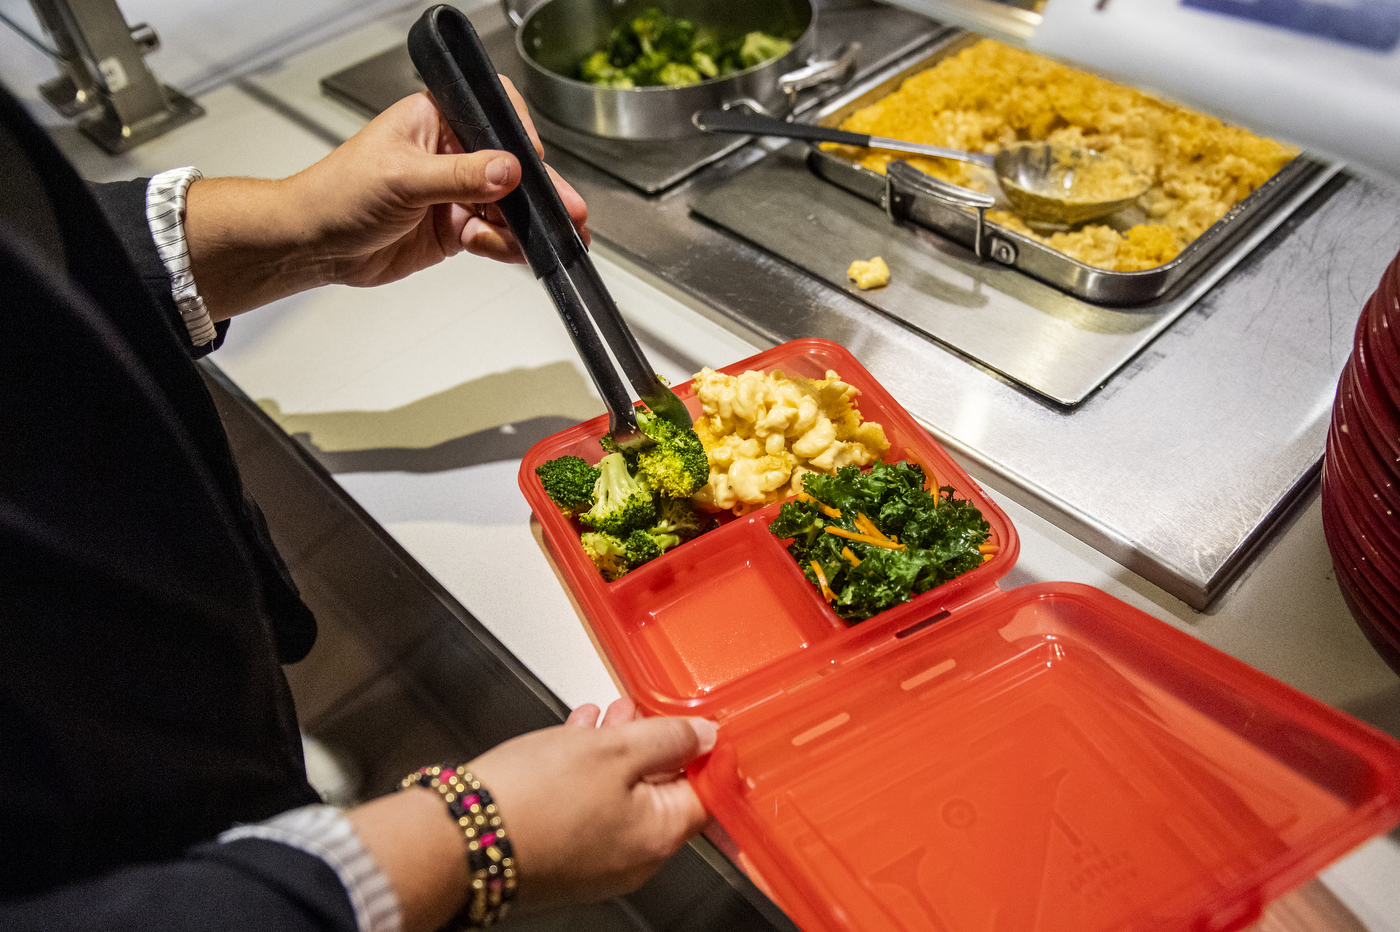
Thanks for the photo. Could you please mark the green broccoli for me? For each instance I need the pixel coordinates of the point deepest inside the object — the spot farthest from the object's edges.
(759, 47)
(676, 466)
(608, 553)
(674, 74)
(653, 48)
(678, 516)
(646, 545)
(704, 64)
(624, 502)
(570, 483)
(598, 69)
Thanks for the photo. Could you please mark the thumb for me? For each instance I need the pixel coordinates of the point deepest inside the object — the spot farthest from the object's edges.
(665, 745)
(462, 178)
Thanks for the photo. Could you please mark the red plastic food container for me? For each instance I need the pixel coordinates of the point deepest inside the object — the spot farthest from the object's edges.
(1047, 758)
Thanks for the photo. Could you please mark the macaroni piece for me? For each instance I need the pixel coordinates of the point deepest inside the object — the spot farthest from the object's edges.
(867, 275)
(989, 96)
(763, 432)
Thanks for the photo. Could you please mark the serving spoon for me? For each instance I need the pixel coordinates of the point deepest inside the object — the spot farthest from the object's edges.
(1048, 183)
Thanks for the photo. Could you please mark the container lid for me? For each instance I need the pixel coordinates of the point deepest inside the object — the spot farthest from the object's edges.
(1048, 759)
(727, 620)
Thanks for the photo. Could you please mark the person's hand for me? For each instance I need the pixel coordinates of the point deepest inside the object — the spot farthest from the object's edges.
(401, 195)
(396, 198)
(593, 812)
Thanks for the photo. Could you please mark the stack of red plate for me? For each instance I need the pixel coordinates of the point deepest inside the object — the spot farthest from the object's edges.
(1361, 472)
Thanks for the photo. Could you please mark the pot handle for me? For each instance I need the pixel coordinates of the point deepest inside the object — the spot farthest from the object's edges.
(839, 68)
(517, 10)
(904, 184)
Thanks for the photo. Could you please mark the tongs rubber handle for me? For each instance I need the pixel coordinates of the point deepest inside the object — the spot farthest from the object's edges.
(454, 65)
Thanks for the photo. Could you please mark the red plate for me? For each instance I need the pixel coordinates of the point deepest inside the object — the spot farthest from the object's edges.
(1383, 598)
(1377, 633)
(1380, 351)
(1384, 603)
(1382, 531)
(1377, 391)
(1356, 442)
(1358, 415)
(1363, 465)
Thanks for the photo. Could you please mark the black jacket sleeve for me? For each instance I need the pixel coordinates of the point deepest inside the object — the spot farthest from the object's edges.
(249, 884)
(123, 203)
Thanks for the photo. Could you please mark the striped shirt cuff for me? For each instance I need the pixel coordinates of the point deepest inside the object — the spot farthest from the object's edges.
(323, 831)
(165, 214)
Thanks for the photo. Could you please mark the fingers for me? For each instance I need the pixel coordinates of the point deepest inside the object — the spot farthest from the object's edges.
(679, 813)
(585, 716)
(573, 203)
(470, 178)
(620, 712)
(665, 745)
(493, 242)
(523, 111)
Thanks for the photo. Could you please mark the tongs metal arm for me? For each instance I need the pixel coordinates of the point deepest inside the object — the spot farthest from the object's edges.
(454, 65)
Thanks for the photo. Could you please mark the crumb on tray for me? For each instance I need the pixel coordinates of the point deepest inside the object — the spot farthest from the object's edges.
(867, 275)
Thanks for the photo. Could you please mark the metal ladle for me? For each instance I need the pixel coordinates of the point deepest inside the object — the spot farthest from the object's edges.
(1046, 183)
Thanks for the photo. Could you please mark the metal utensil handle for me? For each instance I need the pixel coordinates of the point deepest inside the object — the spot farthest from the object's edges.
(903, 181)
(746, 122)
(454, 65)
(756, 124)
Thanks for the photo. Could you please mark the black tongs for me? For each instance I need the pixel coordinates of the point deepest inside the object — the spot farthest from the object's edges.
(454, 65)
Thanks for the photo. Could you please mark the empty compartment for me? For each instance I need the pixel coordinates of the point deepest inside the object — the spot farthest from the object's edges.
(733, 605)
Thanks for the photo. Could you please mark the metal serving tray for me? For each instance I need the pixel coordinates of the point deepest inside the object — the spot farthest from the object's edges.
(908, 199)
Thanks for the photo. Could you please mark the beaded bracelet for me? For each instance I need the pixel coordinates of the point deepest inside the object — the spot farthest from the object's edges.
(490, 857)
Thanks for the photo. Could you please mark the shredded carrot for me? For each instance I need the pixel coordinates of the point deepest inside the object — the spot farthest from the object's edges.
(850, 557)
(988, 548)
(868, 526)
(864, 538)
(821, 578)
(824, 509)
(987, 556)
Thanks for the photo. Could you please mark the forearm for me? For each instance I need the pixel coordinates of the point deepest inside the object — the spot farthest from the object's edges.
(251, 243)
(421, 851)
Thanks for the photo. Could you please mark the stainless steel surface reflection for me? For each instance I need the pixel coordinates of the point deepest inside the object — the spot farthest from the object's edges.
(1178, 467)
(1053, 343)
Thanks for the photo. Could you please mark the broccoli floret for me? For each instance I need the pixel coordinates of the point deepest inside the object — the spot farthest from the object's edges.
(759, 47)
(608, 553)
(674, 74)
(570, 483)
(704, 64)
(676, 466)
(650, 543)
(678, 516)
(625, 502)
(655, 31)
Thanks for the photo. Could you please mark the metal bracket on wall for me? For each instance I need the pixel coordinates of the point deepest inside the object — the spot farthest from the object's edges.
(104, 81)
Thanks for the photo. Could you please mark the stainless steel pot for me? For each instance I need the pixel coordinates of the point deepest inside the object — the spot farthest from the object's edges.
(554, 36)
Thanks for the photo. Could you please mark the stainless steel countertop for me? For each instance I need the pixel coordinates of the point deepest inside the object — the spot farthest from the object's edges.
(1179, 466)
